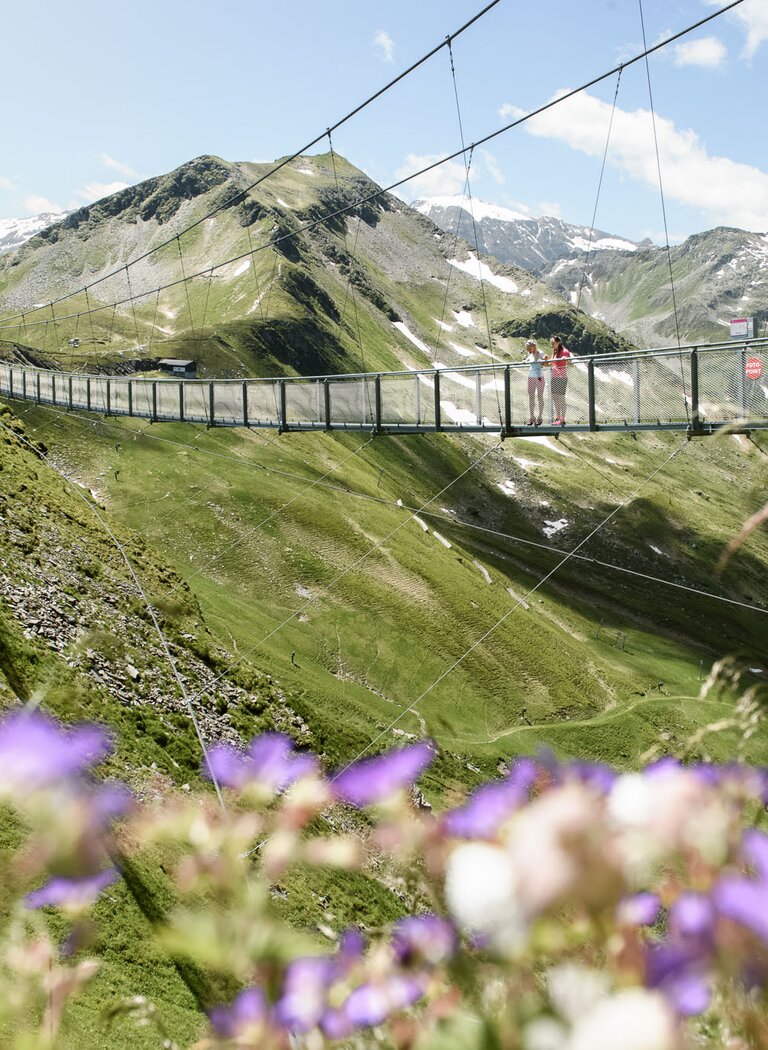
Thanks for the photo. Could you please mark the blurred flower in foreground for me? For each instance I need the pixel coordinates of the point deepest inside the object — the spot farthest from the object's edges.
(270, 763)
(377, 779)
(423, 939)
(72, 893)
(632, 1019)
(36, 753)
(745, 900)
(491, 805)
(247, 1011)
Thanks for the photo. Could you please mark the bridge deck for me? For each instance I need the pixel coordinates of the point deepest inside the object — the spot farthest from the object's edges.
(696, 389)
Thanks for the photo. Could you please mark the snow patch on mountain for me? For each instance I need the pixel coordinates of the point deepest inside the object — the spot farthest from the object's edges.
(478, 209)
(402, 327)
(15, 232)
(482, 272)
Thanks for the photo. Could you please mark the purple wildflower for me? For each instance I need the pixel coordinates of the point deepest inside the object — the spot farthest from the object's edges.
(351, 949)
(423, 939)
(371, 1004)
(376, 779)
(35, 752)
(745, 901)
(303, 999)
(247, 1009)
(485, 810)
(63, 892)
(641, 909)
(270, 762)
(596, 775)
(334, 1024)
(755, 847)
(523, 773)
(680, 975)
(692, 917)
(662, 767)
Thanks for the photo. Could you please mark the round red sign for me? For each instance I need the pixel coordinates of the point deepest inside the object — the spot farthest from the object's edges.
(753, 368)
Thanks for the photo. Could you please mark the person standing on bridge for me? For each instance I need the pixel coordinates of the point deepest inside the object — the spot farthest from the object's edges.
(535, 359)
(559, 364)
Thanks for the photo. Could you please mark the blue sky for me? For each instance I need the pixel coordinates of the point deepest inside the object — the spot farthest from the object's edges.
(104, 95)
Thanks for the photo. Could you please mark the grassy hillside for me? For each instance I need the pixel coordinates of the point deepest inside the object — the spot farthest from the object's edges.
(302, 560)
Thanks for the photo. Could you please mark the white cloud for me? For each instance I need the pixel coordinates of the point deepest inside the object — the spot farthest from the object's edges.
(385, 44)
(753, 15)
(94, 191)
(724, 190)
(446, 180)
(509, 112)
(493, 167)
(551, 208)
(7, 184)
(708, 52)
(36, 204)
(116, 165)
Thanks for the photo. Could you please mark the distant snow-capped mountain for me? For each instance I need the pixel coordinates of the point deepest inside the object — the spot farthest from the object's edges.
(534, 243)
(14, 232)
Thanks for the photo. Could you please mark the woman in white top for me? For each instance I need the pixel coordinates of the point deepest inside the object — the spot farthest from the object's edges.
(535, 359)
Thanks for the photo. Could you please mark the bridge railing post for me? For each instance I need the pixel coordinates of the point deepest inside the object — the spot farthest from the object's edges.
(154, 402)
(377, 403)
(211, 399)
(479, 397)
(741, 386)
(109, 397)
(636, 391)
(24, 383)
(438, 422)
(507, 400)
(591, 406)
(10, 380)
(130, 397)
(87, 392)
(695, 420)
(69, 384)
(245, 402)
(282, 406)
(181, 400)
(327, 404)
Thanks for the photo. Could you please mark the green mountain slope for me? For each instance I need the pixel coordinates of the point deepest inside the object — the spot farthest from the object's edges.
(378, 288)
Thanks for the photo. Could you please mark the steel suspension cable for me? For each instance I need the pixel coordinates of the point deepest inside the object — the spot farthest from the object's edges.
(349, 278)
(599, 188)
(664, 215)
(468, 165)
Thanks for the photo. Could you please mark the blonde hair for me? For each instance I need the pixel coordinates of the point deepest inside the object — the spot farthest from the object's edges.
(533, 343)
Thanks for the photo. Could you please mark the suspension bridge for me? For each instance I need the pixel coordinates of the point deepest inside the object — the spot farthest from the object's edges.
(696, 389)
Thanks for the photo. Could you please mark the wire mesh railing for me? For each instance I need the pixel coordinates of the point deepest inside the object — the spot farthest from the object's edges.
(699, 388)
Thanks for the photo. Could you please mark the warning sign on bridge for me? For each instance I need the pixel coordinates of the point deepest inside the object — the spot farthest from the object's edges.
(753, 368)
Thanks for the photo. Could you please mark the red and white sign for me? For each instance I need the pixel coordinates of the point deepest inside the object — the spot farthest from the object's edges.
(743, 328)
(753, 368)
